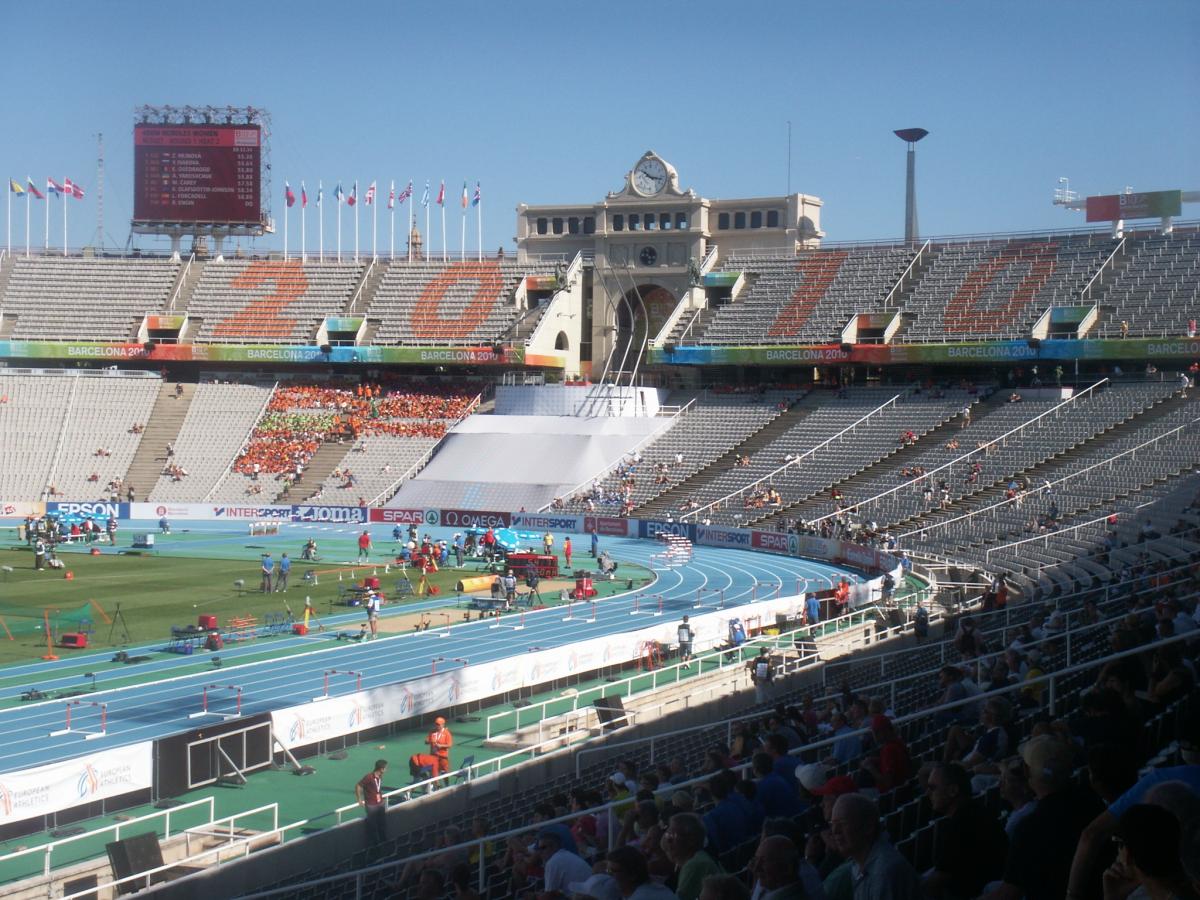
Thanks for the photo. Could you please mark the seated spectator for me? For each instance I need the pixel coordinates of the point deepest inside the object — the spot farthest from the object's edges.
(775, 794)
(1042, 844)
(724, 887)
(1148, 860)
(969, 845)
(628, 868)
(683, 843)
(877, 868)
(776, 868)
(726, 824)
(560, 866)
(890, 766)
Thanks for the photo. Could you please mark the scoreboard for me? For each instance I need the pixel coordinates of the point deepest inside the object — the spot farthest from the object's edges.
(197, 173)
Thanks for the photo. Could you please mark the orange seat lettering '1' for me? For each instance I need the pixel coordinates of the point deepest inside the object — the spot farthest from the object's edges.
(429, 322)
(262, 316)
(963, 313)
(818, 270)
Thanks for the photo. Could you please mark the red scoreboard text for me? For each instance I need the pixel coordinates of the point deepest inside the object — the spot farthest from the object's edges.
(196, 173)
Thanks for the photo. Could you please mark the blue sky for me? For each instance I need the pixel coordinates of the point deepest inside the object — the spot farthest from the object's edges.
(548, 102)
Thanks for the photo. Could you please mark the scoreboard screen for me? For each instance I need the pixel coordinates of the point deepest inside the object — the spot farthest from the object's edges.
(197, 173)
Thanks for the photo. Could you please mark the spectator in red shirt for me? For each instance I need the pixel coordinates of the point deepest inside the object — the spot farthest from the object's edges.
(369, 793)
(891, 766)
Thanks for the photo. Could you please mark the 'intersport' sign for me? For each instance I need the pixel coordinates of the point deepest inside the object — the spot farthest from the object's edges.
(716, 536)
(547, 522)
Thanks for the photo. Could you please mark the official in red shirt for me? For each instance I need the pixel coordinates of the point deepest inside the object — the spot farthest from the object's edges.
(369, 793)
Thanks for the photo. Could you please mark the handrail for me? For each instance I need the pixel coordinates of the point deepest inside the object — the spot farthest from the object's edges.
(887, 301)
(62, 437)
(691, 322)
(1051, 679)
(48, 849)
(245, 443)
(1050, 484)
(416, 467)
(179, 284)
(362, 284)
(608, 469)
(981, 449)
(710, 260)
(794, 462)
(1057, 532)
(221, 853)
(1085, 294)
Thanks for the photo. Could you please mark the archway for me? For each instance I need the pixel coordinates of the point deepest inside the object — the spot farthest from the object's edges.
(562, 342)
(641, 314)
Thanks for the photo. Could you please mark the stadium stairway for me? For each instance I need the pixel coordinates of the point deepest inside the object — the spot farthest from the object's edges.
(851, 488)
(328, 457)
(365, 290)
(166, 420)
(669, 501)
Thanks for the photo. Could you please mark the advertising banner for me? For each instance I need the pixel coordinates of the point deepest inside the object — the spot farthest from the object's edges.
(467, 518)
(92, 776)
(610, 526)
(98, 509)
(717, 536)
(651, 528)
(170, 510)
(548, 521)
(1144, 205)
(337, 515)
(253, 513)
(775, 542)
(19, 509)
(335, 717)
(399, 516)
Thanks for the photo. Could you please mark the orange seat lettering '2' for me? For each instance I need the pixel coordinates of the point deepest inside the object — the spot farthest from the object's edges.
(963, 314)
(819, 271)
(428, 321)
(261, 316)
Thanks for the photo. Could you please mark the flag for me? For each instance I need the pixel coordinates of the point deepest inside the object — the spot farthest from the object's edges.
(33, 190)
(303, 196)
(441, 200)
(405, 194)
(353, 197)
(71, 189)
(320, 195)
(288, 195)
(464, 196)
(337, 193)
(52, 187)
(392, 196)
(370, 198)
(425, 196)
(475, 199)
(14, 187)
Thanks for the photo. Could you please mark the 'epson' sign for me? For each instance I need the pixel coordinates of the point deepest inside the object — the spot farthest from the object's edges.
(334, 514)
(98, 509)
(654, 529)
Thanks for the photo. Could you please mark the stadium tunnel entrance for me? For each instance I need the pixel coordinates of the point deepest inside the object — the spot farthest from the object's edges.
(641, 314)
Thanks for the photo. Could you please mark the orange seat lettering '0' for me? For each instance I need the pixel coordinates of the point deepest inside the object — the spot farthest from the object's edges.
(261, 316)
(429, 322)
(819, 271)
(963, 313)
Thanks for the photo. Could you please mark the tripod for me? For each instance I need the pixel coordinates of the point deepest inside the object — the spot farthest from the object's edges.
(119, 616)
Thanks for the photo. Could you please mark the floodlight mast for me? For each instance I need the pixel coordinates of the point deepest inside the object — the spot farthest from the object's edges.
(910, 136)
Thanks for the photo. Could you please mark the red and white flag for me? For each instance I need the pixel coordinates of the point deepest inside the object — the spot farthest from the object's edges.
(441, 197)
(370, 198)
(70, 187)
(392, 196)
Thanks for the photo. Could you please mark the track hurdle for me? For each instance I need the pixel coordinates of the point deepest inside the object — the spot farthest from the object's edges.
(88, 730)
(655, 607)
(334, 672)
(444, 632)
(592, 620)
(223, 692)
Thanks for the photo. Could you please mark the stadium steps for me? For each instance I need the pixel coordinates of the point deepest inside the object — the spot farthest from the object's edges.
(166, 420)
(702, 321)
(670, 500)
(900, 301)
(369, 332)
(1052, 466)
(185, 282)
(1107, 310)
(814, 506)
(369, 284)
(328, 457)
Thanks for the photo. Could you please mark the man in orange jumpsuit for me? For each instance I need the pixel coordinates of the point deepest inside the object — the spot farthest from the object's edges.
(440, 740)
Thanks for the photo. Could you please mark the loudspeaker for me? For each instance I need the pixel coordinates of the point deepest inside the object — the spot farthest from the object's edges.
(326, 349)
(148, 346)
(669, 346)
(1034, 343)
(498, 349)
(846, 348)
(611, 712)
(132, 855)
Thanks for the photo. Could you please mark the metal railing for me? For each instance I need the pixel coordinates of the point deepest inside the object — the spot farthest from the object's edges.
(887, 301)
(47, 850)
(180, 283)
(1085, 295)
(1051, 484)
(983, 448)
(721, 501)
(362, 285)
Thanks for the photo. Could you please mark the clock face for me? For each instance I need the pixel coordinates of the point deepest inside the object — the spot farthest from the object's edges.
(649, 176)
(648, 256)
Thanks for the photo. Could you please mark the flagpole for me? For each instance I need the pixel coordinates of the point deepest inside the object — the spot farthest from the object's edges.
(374, 222)
(9, 230)
(411, 218)
(320, 220)
(28, 197)
(479, 225)
(427, 214)
(339, 226)
(445, 252)
(65, 198)
(303, 229)
(392, 221)
(462, 243)
(285, 224)
(46, 248)
(356, 204)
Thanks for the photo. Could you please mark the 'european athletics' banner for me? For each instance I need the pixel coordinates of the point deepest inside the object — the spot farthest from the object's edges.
(93, 776)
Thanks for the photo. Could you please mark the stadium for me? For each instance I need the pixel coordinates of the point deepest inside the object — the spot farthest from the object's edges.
(829, 507)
